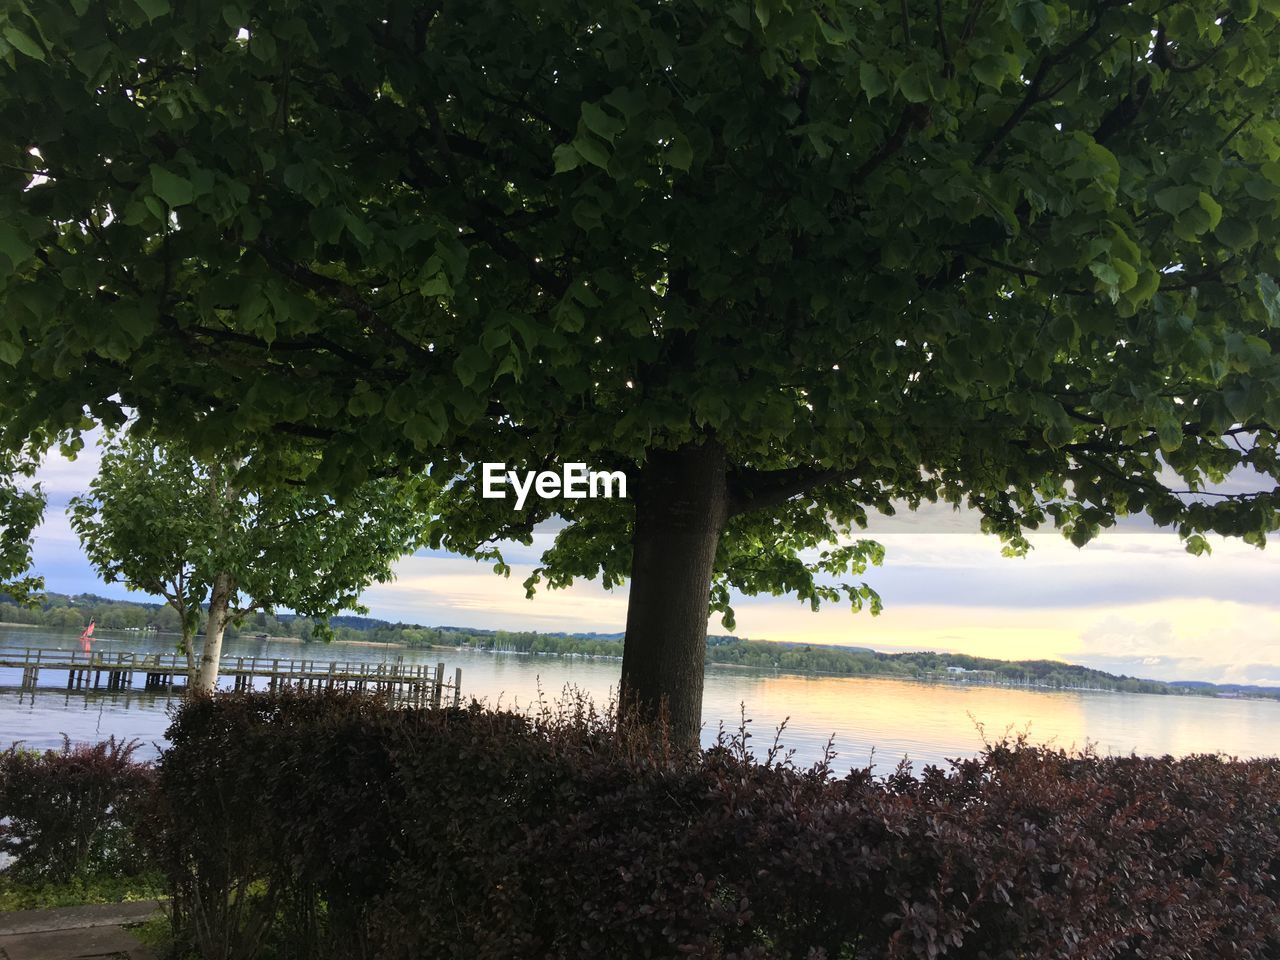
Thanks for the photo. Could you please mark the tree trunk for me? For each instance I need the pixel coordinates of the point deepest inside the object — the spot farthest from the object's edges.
(681, 504)
(188, 641)
(219, 610)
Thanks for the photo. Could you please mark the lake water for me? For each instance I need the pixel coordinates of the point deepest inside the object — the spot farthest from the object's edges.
(926, 722)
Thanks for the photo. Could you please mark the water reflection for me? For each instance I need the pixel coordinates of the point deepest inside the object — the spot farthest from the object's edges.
(39, 718)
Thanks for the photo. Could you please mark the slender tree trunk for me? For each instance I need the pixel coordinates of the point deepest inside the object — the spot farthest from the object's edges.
(219, 611)
(681, 504)
(188, 639)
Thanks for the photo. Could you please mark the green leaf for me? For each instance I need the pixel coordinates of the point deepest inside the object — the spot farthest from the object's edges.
(23, 43)
(171, 188)
(235, 16)
(566, 158)
(992, 70)
(600, 123)
(367, 404)
(357, 227)
(439, 418)
(587, 215)
(592, 151)
(13, 245)
(913, 83)
(989, 70)
(1128, 276)
(680, 152)
(629, 101)
(1212, 208)
(1098, 162)
(494, 339)
(471, 362)
(1080, 534)
(436, 285)
(1237, 233)
(1197, 545)
(153, 8)
(1191, 223)
(1174, 200)
(871, 79)
(1106, 272)
(1145, 287)
(327, 223)
(1169, 433)
(831, 33)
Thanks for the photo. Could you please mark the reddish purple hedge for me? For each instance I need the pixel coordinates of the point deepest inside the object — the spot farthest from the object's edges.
(352, 830)
(71, 812)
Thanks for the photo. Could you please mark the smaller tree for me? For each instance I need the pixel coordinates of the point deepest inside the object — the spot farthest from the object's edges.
(141, 524)
(160, 521)
(21, 508)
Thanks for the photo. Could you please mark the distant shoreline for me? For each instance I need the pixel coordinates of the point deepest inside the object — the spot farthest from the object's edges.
(927, 673)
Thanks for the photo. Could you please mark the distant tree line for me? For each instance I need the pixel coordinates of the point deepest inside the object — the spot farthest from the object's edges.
(63, 612)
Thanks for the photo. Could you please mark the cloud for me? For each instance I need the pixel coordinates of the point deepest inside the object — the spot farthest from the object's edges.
(458, 592)
(1223, 642)
(1115, 570)
(1119, 636)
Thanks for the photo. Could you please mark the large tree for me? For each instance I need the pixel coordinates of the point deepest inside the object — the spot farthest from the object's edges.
(785, 262)
(160, 521)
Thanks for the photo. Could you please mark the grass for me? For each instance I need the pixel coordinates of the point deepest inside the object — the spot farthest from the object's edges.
(155, 934)
(82, 890)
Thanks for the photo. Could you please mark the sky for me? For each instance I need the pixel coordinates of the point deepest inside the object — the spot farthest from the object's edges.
(1131, 602)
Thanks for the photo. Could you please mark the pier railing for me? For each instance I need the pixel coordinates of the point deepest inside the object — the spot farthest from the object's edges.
(416, 683)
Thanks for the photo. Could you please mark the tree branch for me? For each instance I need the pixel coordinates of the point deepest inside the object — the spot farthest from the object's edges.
(343, 294)
(913, 117)
(1034, 94)
(948, 67)
(751, 490)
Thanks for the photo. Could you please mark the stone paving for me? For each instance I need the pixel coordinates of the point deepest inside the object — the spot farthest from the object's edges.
(94, 932)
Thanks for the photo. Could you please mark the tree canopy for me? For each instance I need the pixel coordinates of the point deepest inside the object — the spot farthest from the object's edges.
(1020, 255)
(21, 507)
(144, 522)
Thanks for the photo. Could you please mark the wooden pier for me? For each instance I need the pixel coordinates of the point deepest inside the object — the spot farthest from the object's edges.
(417, 684)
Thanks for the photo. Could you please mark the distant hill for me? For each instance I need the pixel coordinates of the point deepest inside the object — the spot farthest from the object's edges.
(363, 624)
(73, 612)
(1245, 689)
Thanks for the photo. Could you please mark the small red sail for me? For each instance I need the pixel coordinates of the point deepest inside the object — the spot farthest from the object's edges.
(86, 644)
